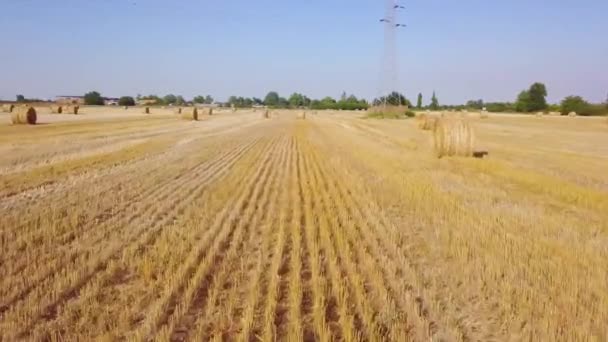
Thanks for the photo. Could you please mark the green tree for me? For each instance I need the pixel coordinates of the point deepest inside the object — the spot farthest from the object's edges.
(475, 104)
(419, 101)
(126, 101)
(393, 99)
(208, 99)
(180, 101)
(581, 107)
(523, 102)
(272, 99)
(538, 97)
(297, 100)
(170, 99)
(20, 98)
(93, 98)
(198, 99)
(533, 99)
(434, 102)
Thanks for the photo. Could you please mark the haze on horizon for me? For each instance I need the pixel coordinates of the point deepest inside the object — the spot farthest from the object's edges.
(462, 50)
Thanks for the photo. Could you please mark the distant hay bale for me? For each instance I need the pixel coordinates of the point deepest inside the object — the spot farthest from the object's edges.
(483, 115)
(266, 114)
(146, 110)
(210, 111)
(572, 114)
(71, 109)
(24, 115)
(56, 109)
(540, 114)
(302, 116)
(190, 114)
(453, 137)
(178, 110)
(8, 108)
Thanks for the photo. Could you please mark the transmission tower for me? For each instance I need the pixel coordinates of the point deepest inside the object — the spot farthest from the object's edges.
(390, 79)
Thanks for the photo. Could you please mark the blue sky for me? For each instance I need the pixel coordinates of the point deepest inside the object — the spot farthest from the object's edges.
(462, 49)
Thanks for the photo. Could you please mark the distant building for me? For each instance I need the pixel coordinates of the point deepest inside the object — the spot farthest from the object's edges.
(146, 102)
(79, 100)
(68, 99)
(110, 101)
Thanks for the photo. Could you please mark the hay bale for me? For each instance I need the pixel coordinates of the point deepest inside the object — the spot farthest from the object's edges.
(539, 114)
(210, 111)
(71, 109)
(178, 110)
(146, 110)
(302, 116)
(126, 107)
(24, 115)
(190, 114)
(428, 122)
(483, 115)
(266, 114)
(8, 107)
(453, 137)
(56, 109)
(572, 114)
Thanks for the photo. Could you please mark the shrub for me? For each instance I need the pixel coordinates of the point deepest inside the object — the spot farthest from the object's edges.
(93, 98)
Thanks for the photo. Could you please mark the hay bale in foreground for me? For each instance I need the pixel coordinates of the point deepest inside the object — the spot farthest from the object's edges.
(8, 108)
(572, 114)
(24, 115)
(453, 137)
(71, 109)
(427, 122)
(146, 110)
(56, 109)
(190, 114)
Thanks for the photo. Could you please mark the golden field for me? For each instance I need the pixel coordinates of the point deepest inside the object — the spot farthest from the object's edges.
(116, 225)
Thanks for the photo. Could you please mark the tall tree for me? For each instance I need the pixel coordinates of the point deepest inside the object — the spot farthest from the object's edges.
(434, 102)
(198, 99)
(208, 99)
(272, 99)
(419, 102)
(538, 94)
(20, 98)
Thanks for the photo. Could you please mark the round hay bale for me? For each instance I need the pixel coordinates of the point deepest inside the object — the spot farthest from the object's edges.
(8, 108)
(572, 114)
(428, 122)
(266, 114)
(56, 109)
(178, 110)
(210, 111)
(453, 137)
(24, 116)
(71, 109)
(190, 114)
(146, 110)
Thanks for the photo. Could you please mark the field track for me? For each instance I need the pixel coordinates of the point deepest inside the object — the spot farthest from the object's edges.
(330, 228)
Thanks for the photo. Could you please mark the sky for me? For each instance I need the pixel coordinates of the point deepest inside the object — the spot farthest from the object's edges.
(462, 50)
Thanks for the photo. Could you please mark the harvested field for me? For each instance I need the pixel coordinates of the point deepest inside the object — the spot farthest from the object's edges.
(145, 227)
